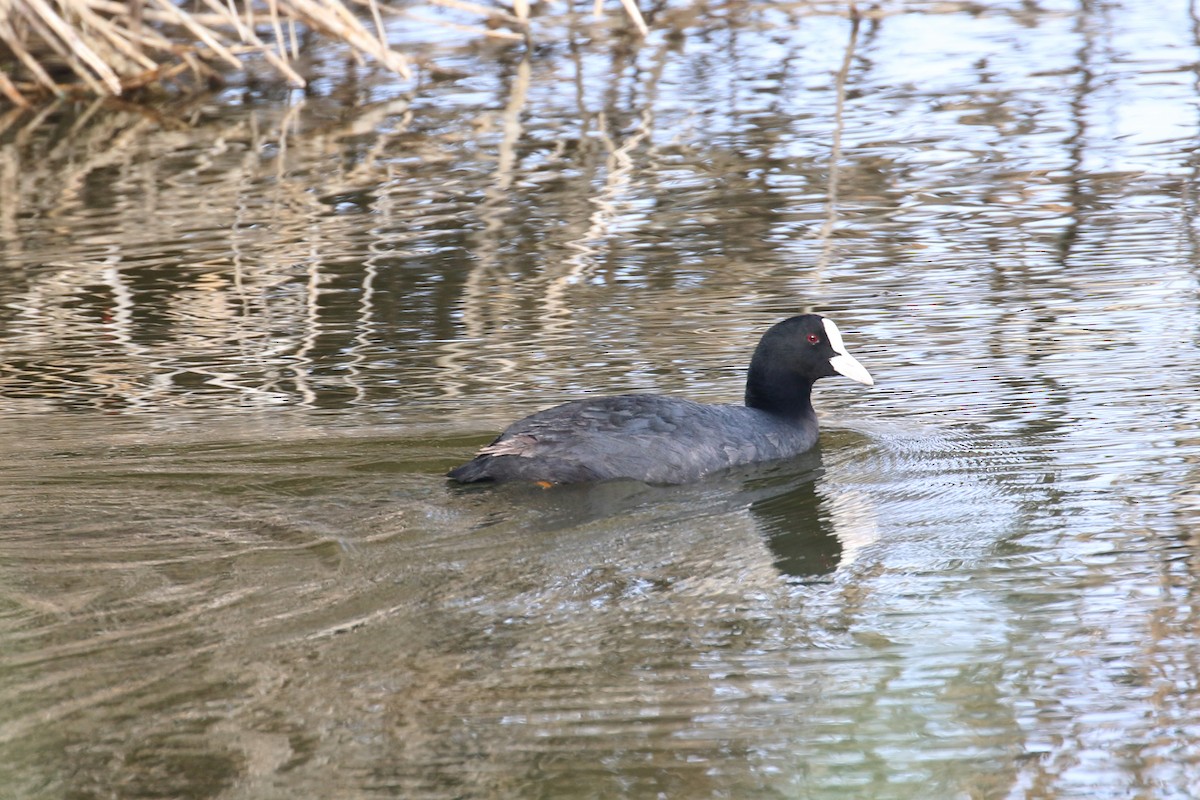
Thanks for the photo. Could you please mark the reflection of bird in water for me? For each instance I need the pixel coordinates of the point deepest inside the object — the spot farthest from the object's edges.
(798, 530)
(812, 532)
(667, 440)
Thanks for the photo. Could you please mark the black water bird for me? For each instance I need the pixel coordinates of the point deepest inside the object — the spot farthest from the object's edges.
(668, 440)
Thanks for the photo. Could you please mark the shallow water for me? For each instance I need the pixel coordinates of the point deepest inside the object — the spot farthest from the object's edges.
(242, 341)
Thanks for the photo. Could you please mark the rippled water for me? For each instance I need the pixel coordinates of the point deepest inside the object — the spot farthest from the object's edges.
(242, 341)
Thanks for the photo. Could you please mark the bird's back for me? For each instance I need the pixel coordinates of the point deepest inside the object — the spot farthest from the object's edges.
(645, 437)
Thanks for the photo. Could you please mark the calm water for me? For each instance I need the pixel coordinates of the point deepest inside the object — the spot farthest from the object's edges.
(243, 338)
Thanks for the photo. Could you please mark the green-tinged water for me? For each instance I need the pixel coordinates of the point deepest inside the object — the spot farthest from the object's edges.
(242, 341)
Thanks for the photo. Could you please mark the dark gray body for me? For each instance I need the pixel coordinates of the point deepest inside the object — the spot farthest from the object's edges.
(644, 437)
(658, 439)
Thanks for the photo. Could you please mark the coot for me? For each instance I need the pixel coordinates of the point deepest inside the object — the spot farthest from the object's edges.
(660, 439)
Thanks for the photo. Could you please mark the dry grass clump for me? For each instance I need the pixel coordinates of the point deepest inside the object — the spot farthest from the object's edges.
(116, 47)
(110, 47)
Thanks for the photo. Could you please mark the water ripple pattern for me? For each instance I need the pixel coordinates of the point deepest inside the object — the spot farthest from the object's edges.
(242, 341)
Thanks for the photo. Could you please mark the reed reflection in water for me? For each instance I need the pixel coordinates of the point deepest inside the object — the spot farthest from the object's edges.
(241, 346)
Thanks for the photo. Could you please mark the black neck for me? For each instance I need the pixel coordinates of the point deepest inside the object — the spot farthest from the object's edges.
(778, 392)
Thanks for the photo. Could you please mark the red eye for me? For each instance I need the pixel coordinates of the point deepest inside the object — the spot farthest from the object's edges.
(813, 338)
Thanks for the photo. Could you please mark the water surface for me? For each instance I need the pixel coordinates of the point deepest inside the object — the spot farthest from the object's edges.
(242, 340)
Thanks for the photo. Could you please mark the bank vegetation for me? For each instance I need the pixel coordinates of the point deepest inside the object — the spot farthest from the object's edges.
(131, 48)
(115, 47)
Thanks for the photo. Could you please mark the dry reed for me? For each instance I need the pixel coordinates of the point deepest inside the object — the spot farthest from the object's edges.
(111, 47)
(115, 47)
